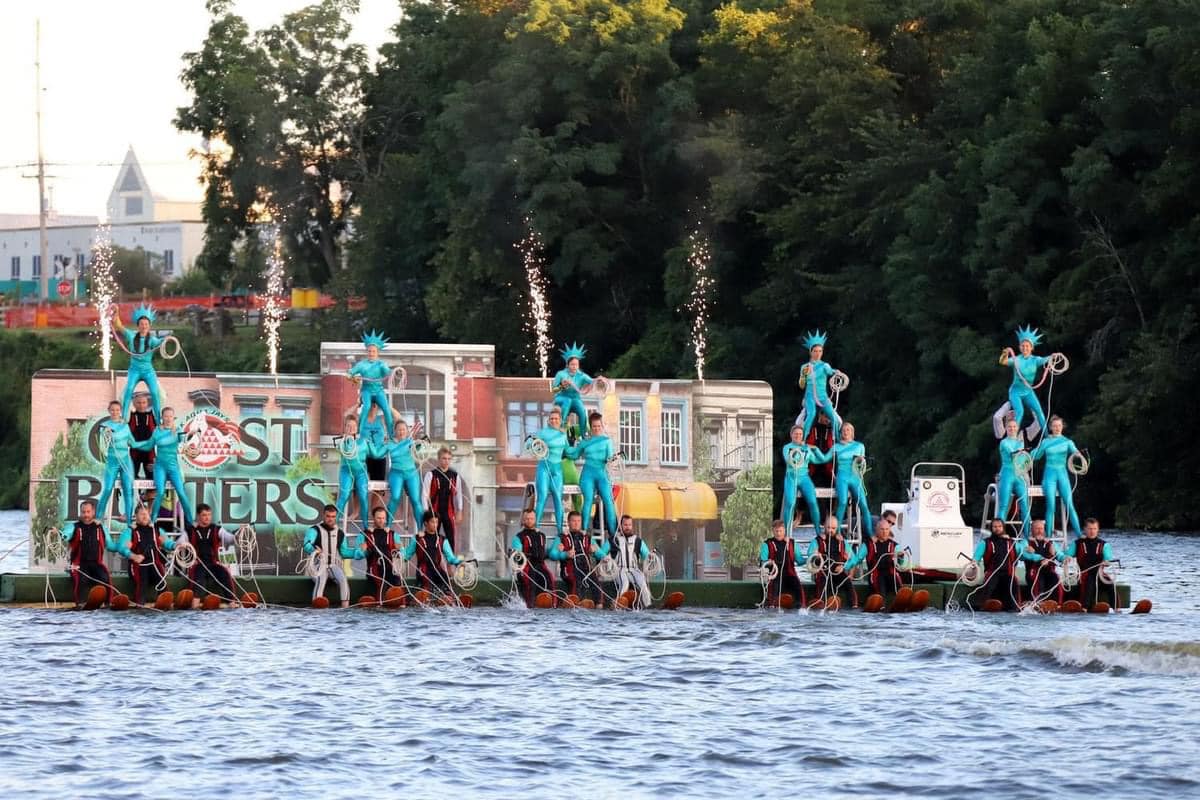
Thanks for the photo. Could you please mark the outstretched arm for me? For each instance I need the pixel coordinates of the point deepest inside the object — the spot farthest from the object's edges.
(310, 540)
(451, 558)
(857, 557)
(764, 553)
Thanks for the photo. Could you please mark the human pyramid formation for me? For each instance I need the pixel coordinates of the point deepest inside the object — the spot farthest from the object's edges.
(832, 559)
(374, 442)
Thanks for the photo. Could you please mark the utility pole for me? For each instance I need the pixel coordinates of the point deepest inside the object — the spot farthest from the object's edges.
(44, 244)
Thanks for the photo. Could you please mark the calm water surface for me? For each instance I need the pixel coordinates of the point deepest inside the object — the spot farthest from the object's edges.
(696, 703)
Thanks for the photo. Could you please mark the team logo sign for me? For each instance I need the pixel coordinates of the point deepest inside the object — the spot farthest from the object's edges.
(939, 502)
(210, 439)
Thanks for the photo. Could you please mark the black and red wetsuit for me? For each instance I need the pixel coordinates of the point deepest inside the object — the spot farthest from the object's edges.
(145, 541)
(380, 544)
(576, 572)
(827, 581)
(881, 566)
(208, 569)
(431, 569)
(534, 578)
(821, 436)
(444, 501)
(142, 425)
(86, 548)
(1000, 572)
(1089, 553)
(783, 553)
(1041, 577)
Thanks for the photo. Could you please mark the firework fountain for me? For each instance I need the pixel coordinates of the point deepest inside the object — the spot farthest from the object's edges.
(273, 309)
(699, 259)
(104, 290)
(537, 321)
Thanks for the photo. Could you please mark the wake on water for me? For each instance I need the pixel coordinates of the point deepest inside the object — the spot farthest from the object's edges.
(1086, 653)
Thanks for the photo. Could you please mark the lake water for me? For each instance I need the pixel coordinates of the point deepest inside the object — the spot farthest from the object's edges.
(695, 703)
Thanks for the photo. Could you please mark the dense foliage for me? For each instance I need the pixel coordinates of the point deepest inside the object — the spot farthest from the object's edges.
(916, 176)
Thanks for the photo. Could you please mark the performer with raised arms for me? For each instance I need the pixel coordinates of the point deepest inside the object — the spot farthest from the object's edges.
(141, 345)
(814, 380)
(1025, 367)
(797, 456)
(851, 459)
(370, 375)
(567, 384)
(165, 442)
(331, 544)
(549, 478)
(1015, 465)
(404, 474)
(597, 451)
(1056, 483)
(118, 438)
(86, 542)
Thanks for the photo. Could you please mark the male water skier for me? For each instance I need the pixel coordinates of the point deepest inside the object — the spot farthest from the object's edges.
(144, 548)
(208, 538)
(1041, 574)
(998, 555)
(434, 556)
(781, 550)
(878, 555)
(86, 542)
(630, 553)
(578, 555)
(833, 577)
(1092, 553)
(533, 577)
(442, 491)
(330, 544)
(380, 543)
(142, 424)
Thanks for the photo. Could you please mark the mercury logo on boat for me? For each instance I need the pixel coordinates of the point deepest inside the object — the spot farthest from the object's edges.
(210, 439)
(939, 502)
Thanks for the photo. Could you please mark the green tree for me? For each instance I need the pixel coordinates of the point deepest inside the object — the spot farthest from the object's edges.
(746, 517)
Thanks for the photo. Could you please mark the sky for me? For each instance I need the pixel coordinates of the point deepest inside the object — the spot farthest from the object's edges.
(110, 72)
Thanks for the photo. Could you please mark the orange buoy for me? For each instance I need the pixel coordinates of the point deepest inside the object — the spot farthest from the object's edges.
(786, 601)
(833, 603)
(1143, 606)
(165, 601)
(901, 601)
(422, 596)
(874, 604)
(623, 601)
(675, 600)
(544, 600)
(1100, 608)
(587, 603)
(95, 597)
(394, 597)
(631, 598)
(920, 599)
(250, 600)
(1048, 607)
(184, 599)
(320, 601)
(366, 601)
(120, 602)
(210, 602)
(466, 601)
(1071, 607)
(570, 601)
(993, 605)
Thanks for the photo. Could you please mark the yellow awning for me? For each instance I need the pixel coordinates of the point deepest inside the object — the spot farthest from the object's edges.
(640, 500)
(690, 501)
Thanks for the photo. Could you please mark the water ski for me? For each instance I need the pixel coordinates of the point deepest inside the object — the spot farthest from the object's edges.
(1099, 608)
(874, 604)
(95, 598)
(1143, 606)
(920, 599)
(184, 599)
(394, 597)
(675, 600)
(544, 600)
(212, 603)
(165, 601)
(320, 601)
(120, 602)
(250, 600)
(901, 601)
(1072, 607)
(992, 606)
(466, 601)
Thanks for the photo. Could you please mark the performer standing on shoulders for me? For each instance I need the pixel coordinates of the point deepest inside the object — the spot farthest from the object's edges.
(117, 463)
(404, 474)
(86, 542)
(141, 345)
(1013, 474)
(597, 451)
(851, 459)
(330, 544)
(144, 548)
(781, 549)
(352, 472)
(442, 491)
(142, 424)
(534, 577)
(566, 386)
(1025, 367)
(814, 380)
(165, 443)
(797, 457)
(1056, 483)
(549, 478)
(370, 376)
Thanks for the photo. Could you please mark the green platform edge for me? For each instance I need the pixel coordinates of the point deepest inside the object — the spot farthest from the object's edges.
(296, 590)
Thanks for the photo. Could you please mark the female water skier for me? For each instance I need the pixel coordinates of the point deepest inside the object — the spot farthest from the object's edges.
(814, 380)
(1056, 483)
(780, 549)
(1015, 465)
(434, 557)
(404, 474)
(831, 572)
(141, 346)
(597, 451)
(567, 384)
(352, 472)
(144, 548)
(370, 376)
(165, 442)
(851, 459)
(86, 542)
(549, 479)
(328, 545)
(118, 465)
(1025, 368)
(532, 577)
(797, 456)
(1092, 554)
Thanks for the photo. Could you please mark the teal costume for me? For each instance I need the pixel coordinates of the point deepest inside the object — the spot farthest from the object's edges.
(165, 443)
(373, 374)
(410, 550)
(1056, 483)
(1012, 481)
(118, 465)
(797, 480)
(1024, 369)
(353, 551)
(816, 392)
(404, 476)
(848, 481)
(141, 367)
(549, 479)
(352, 474)
(596, 453)
(567, 398)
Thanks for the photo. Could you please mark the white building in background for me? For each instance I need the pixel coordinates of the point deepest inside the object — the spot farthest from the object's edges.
(170, 233)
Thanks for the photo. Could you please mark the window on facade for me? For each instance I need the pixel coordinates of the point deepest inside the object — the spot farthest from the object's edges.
(133, 206)
(250, 409)
(631, 439)
(37, 266)
(16, 268)
(423, 403)
(523, 419)
(299, 432)
(712, 439)
(749, 448)
(672, 435)
(168, 262)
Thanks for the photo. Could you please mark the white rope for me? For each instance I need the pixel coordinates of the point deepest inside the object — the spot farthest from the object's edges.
(972, 574)
(537, 448)
(183, 556)
(768, 572)
(839, 381)
(652, 566)
(606, 569)
(1077, 464)
(162, 348)
(815, 563)
(517, 561)
(424, 450)
(1070, 573)
(466, 575)
(1057, 363)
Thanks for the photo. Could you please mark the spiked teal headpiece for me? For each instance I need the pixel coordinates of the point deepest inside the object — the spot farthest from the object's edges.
(814, 338)
(143, 312)
(1032, 334)
(574, 351)
(375, 338)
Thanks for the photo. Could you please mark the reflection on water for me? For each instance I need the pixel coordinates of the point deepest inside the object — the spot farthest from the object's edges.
(697, 703)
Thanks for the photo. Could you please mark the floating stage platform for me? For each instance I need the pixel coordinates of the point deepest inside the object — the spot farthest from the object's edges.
(296, 590)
